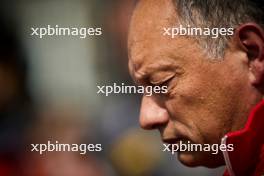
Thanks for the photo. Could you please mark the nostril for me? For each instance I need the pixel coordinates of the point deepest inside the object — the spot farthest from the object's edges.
(147, 126)
(151, 126)
(154, 126)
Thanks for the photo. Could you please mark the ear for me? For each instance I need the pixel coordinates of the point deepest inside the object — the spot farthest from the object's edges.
(250, 37)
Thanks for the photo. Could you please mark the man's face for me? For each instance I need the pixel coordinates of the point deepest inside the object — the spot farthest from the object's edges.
(205, 99)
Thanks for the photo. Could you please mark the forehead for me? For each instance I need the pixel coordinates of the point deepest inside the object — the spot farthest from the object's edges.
(149, 19)
(146, 42)
(153, 12)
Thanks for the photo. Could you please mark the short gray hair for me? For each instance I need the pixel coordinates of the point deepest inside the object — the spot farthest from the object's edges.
(218, 13)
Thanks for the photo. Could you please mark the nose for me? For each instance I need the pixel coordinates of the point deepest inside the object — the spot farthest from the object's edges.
(152, 115)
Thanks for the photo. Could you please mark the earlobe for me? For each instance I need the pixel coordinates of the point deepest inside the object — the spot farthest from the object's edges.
(250, 38)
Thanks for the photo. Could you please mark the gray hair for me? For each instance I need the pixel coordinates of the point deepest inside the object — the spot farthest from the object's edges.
(218, 13)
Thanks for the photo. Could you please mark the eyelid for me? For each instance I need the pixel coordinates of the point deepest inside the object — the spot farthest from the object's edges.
(165, 79)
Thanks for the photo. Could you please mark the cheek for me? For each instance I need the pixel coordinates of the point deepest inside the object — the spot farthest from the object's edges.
(202, 105)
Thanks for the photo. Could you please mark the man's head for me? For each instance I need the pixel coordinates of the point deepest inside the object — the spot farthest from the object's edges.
(212, 83)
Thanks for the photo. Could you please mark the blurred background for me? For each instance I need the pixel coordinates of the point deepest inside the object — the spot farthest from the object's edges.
(48, 92)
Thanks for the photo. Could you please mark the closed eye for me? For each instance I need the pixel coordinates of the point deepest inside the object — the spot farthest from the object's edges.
(164, 82)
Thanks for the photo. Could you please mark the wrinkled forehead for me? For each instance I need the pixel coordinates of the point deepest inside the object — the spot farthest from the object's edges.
(149, 19)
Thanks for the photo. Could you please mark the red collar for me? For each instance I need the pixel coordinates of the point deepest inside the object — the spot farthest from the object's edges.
(247, 144)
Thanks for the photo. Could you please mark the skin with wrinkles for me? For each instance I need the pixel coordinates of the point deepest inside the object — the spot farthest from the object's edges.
(206, 98)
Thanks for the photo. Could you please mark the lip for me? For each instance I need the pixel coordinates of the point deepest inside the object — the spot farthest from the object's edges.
(175, 140)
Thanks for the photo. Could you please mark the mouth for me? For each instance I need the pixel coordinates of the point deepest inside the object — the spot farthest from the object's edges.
(173, 140)
(176, 141)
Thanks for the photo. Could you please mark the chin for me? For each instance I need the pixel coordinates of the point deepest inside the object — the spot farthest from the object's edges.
(195, 159)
